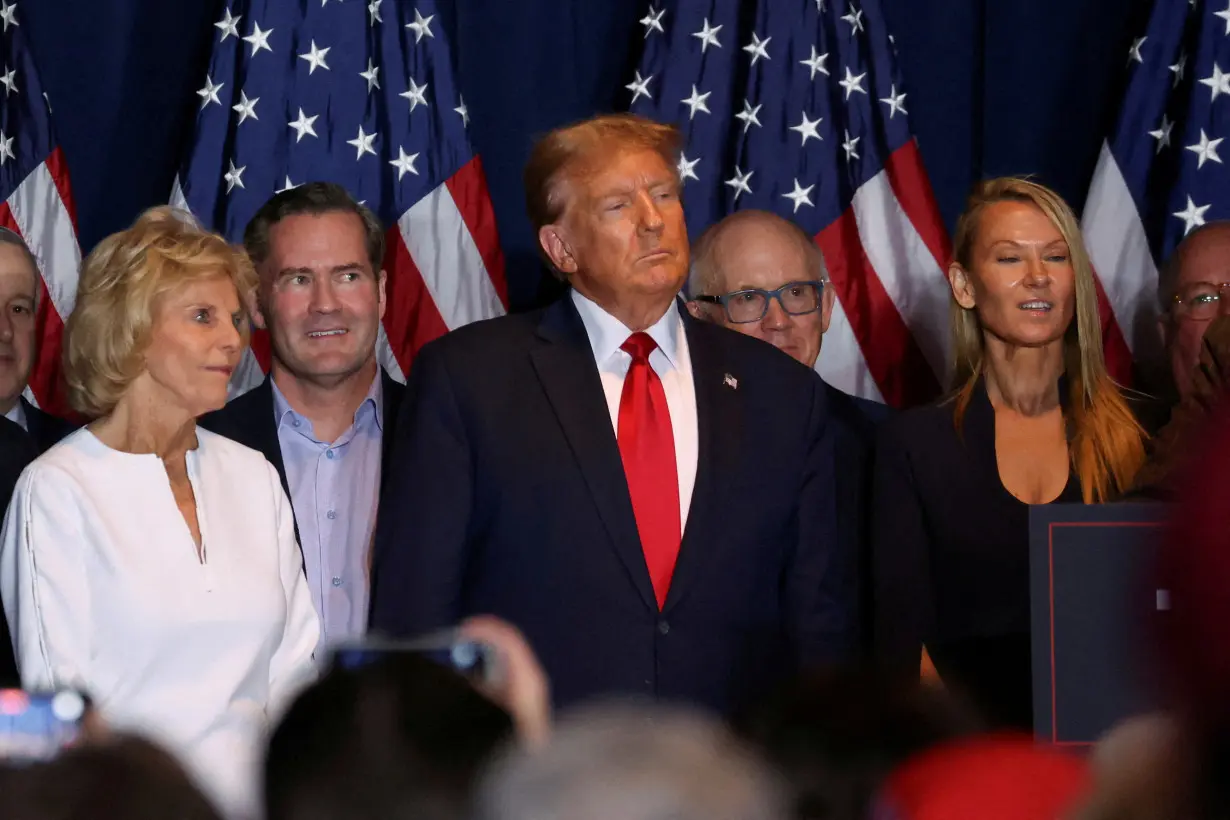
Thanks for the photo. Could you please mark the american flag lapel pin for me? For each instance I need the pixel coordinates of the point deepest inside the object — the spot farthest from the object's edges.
(730, 381)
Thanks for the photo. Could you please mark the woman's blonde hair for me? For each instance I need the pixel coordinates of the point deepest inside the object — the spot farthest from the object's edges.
(1105, 441)
(121, 283)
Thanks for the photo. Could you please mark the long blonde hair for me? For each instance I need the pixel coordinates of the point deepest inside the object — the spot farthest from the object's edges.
(1105, 442)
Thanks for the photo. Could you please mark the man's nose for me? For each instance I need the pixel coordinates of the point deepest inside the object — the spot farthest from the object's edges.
(651, 214)
(324, 299)
(776, 317)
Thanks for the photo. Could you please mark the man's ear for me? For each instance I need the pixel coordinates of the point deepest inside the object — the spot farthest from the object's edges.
(697, 310)
(555, 244)
(381, 279)
(962, 286)
(252, 303)
(826, 307)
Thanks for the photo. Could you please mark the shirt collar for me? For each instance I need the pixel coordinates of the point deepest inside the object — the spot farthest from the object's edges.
(372, 404)
(607, 334)
(17, 414)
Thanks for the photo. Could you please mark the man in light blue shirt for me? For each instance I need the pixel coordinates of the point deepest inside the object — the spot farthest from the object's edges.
(321, 416)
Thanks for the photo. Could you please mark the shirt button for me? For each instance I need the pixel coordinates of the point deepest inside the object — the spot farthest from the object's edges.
(298, 423)
(337, 582)
(331, 514)
(664, 627)
(328, 454)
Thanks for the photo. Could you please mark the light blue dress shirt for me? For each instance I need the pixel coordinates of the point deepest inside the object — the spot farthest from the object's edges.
(333, 489)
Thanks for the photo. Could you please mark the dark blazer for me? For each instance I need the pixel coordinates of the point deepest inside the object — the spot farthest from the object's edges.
(950, 558)
(507, 496)
(16, 451)
(249, 420)
(855, 422)
(44, 428)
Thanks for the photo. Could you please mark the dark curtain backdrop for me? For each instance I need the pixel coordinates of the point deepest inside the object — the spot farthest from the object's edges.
(995, 87)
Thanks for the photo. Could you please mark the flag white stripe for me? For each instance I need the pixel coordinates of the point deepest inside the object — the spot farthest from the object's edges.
(841, 361)
(44, 223)
(906, 268)
(446, 255)
(1119, 249)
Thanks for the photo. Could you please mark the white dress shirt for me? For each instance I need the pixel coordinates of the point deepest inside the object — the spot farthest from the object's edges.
(104, 592)
(673, 364)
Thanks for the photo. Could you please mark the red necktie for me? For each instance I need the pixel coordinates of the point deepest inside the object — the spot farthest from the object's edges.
(647, 447)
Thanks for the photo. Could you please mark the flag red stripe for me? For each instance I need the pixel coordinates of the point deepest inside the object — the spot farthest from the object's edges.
(908, 177)
(893, 357)
(469, 191)
(1114, 345)
(411, 318)
(45, 378)
(58, 168)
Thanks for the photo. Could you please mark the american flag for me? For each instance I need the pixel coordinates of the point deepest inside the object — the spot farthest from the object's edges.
(797, 107)
(361, 94)
(36, 202)
(1160, 174)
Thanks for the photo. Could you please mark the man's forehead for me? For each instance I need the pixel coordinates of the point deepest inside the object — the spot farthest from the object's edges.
(1207, 253)
(757, 255)
(17, 276)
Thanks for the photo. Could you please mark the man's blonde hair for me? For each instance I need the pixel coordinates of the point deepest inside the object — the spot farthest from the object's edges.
(121, 283)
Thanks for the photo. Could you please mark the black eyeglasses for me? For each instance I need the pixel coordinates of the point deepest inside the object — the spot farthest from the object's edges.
(751, 305)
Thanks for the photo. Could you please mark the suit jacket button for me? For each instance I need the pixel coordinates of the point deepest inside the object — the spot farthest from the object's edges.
(664, 627)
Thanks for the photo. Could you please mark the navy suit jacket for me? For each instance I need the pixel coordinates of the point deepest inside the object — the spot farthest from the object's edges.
(249, 420)
(507, 496)
(44, 428)
(17, 449)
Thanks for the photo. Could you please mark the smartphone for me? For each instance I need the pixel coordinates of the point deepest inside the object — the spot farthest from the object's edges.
(35, 726)
(476, 661)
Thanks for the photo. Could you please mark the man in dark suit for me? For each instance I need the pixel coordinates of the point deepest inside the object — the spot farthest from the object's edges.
(19, 295)
(16, 451)
(763, 276)
(650, 498)
(324, 416)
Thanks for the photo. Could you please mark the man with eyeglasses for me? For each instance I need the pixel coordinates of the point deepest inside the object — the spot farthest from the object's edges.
(1194, 293)
(761, 275)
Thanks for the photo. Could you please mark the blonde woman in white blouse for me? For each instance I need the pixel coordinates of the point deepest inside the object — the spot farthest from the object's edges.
(146, 561)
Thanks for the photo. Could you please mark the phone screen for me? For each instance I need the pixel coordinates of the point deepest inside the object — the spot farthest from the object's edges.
(34, 727)
(471, 659)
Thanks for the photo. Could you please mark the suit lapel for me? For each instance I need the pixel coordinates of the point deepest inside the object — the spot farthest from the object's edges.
(718, 410)
(565, 365)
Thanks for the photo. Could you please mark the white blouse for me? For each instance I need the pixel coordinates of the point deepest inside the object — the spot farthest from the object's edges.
(104, 592)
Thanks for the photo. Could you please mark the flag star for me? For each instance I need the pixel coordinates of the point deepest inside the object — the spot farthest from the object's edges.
(696, 102)
(421, 26)
(6, 148)
(1192, 215)
(808, 128)
(246, 107)
(1162, 135)
(687, 167)
(404, 163)
(234, 176)
(852, 83)
(855, 19)
(653, 20)
(417, 95)
(748, 115)
(229, 25)
(315, 58)
(800, 196)
(758, 48)
(739, 182)
(371, 75)
(463, 111)
(708, 36)
(363, 143)
(373, 12)
(303, 125)
(816, 63)
(1179, 69)
(287, 187)
(640, 87)
(7, 10)
(1225, 15)
(209, 94)
(258, 39)
(9, 80)
(895, 102)
(1206, 149)
(1134, 51)
(850, 146)
(1219, 82)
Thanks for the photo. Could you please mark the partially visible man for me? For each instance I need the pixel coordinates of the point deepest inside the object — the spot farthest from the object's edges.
(16, 451)
(762, 275)
(19, 294)
(649, 498)
(324, 416)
